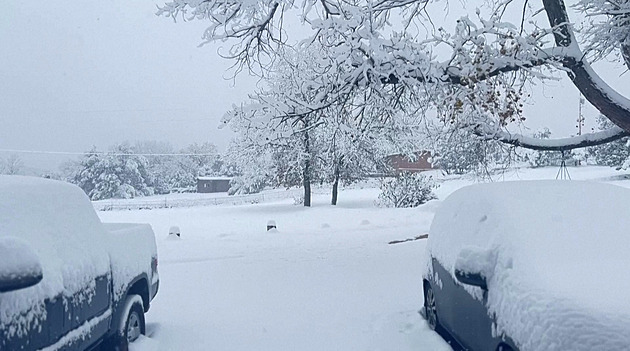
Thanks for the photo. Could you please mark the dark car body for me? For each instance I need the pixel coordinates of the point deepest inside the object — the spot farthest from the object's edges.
(462, 316)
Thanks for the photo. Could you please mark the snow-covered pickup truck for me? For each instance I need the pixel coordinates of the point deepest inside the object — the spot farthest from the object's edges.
(68, 281)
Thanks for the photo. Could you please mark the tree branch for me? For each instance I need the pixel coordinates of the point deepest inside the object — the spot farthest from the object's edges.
(563, 144)
(451, 74)
(610, 103)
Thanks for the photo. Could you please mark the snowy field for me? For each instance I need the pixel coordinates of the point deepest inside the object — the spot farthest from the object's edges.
(326, 280)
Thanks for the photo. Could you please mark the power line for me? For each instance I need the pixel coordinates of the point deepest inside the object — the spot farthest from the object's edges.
(100, 153)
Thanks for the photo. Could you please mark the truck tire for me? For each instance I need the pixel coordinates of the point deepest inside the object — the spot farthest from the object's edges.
(130, 322)
(133, 319)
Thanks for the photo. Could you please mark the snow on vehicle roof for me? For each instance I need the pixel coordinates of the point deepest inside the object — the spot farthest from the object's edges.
(561, 278)
(57, 221)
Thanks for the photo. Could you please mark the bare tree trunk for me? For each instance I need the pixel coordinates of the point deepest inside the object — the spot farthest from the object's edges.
(335, 189)
(306, 174)
(306, 182)
(307, 185)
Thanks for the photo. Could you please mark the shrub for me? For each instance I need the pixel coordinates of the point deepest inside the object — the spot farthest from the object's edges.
(406, 190)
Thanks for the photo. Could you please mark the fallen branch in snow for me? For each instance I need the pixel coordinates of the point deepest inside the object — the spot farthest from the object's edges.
(423, 236)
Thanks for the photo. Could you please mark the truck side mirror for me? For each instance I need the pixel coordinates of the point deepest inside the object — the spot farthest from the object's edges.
(469, 278)
(20, 267)
(474, 266)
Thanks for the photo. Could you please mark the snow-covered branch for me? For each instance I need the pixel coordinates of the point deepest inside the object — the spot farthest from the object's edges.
(608, 101)
(563, 144)
(477, 73)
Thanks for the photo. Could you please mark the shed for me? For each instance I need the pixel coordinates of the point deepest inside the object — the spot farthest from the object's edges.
(213, 184)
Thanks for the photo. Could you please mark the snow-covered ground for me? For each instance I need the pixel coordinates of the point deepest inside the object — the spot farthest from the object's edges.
(325, 280)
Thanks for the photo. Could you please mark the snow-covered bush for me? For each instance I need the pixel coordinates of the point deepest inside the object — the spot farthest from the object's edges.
(406, 190)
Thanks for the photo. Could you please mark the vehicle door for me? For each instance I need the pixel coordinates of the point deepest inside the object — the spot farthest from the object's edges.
(461, 314)
(472, 324)
(90, 304)
(443, 288)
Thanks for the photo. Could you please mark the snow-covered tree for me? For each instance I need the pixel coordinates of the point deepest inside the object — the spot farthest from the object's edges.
(460, 151)
(614, 154)
(162, 167)
(473, 72)
(204, 157)
(273, 154)
(118, 174)
(13, 165)
(357, 141)
(177, 171)
(338, 141)
(275, 128)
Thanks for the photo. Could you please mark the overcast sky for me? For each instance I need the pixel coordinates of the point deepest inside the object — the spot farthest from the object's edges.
(78, 74)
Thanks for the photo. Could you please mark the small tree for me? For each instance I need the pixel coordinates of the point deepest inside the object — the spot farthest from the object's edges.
(274, 127)
(406, 190)
(12, 166)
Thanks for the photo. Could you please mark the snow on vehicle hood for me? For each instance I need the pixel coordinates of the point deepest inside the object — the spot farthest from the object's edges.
(59, 224)
(560, 279)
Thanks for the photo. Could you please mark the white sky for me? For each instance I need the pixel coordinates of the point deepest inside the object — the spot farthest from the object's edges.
(102, 72)
(77, 74)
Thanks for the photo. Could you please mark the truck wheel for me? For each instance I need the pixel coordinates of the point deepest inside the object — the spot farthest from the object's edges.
(134, 319)
(129, 326)
(430, 307)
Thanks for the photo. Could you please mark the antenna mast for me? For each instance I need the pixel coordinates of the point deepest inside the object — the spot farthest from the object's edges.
(580, 119)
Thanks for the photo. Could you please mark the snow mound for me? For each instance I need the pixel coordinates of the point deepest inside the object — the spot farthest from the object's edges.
(174, 230)
(173, 237)
(555, 255)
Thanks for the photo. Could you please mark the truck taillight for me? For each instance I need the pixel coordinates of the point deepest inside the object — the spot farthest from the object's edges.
(154, 263)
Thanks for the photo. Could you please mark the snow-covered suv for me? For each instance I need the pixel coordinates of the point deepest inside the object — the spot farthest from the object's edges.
(531, 265)
(68, 281)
